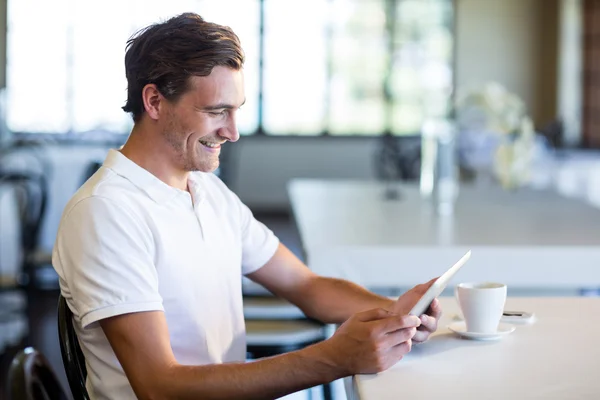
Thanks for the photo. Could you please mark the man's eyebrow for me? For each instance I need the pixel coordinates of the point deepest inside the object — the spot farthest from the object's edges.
(222, 106)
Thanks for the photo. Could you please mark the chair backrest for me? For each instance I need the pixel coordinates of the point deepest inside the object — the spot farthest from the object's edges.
(73, 359)
(35, 191)
(91, 170)
(30, 377)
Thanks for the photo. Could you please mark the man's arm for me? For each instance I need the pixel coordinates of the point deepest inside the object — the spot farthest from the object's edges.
(334, 300)
(368, 342)
(329, 300)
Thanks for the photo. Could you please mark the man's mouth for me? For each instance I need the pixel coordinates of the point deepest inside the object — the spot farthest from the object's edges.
(212, 145)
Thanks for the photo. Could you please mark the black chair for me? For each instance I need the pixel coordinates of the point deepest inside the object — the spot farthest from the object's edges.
(91, 170)
(32, 189)
(30, 377)
(73, 359)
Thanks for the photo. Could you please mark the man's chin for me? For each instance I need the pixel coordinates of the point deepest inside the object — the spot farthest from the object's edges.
(212, 167)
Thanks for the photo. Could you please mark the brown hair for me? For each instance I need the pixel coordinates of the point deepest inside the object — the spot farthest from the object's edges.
(167, 54)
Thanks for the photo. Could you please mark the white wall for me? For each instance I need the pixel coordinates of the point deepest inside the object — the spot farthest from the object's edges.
(512, 42)
(495, 40)
(264, 165)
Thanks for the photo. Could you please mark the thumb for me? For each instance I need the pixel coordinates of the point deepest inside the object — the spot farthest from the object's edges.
(374, 314)
(425, 286)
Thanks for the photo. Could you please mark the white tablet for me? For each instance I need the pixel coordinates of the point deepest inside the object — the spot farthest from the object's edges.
(438, 286)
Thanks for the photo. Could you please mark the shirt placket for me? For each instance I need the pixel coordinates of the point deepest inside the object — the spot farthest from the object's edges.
(198, 207)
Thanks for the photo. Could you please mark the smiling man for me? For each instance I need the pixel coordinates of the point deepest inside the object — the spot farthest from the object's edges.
(152, 249)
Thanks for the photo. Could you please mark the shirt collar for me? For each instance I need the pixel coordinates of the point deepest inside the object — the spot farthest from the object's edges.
(156, 189)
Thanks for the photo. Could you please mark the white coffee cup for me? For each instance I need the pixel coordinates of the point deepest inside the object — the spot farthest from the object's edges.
(482, 305)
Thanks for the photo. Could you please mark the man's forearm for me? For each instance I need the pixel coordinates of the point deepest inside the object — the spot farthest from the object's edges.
(333, 300)
(327, 299)
(266, 378)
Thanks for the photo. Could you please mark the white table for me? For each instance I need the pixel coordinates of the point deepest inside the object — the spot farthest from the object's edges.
(526, 238)
(557, 357)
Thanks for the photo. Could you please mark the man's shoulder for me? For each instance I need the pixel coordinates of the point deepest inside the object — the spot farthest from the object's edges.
(105, 186)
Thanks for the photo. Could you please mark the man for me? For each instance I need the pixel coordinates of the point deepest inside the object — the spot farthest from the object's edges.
(152, 249)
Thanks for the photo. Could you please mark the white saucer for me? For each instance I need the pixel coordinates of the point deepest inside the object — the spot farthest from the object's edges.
(460, 328)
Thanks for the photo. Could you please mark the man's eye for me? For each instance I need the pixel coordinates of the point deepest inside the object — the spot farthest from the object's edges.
(218, 113)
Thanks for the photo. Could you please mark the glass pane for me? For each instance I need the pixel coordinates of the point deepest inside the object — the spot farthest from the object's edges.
(325, 69)
(243, 17)
(359, 63)
(421, 81)
(37, 66)
(97, 81)
(295, 73)
(84, 75)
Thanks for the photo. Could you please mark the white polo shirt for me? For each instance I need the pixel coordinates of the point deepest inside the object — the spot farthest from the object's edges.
(127, 242)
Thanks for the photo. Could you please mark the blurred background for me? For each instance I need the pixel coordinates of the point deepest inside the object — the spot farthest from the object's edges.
(336, 90)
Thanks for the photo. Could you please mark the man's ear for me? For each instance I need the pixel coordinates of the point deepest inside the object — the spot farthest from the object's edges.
(153, 100)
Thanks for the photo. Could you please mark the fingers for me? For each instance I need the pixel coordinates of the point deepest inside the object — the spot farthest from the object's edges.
(428, 326)
(373, 315)
(434, 310)
(428, 323)
(379, 339)
(372, 341)
(431, 281)
(421, 336)
(389, 357)
(429, 320)
(424, 286)
(396, 338)
(396, 322)
(399, 351)
(387, 321)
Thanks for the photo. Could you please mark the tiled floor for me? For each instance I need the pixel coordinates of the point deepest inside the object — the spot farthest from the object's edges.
(41, 328)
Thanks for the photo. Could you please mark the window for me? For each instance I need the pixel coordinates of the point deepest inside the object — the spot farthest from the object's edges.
(338, 67)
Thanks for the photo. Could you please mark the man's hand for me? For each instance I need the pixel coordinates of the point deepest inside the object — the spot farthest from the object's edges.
(429, 320)
(371, 341)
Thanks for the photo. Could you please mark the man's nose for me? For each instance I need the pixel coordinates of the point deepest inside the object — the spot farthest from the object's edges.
(230, 131)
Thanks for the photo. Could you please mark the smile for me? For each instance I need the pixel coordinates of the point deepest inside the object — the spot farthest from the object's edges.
(212, 145)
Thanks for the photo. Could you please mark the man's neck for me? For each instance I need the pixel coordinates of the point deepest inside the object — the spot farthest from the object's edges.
(148, 150)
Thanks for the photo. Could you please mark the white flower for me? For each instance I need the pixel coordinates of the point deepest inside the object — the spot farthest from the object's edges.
(491, 108)
(494, 112)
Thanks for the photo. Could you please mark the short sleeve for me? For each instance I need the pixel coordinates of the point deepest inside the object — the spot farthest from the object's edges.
(103, 253)
(259, 243)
